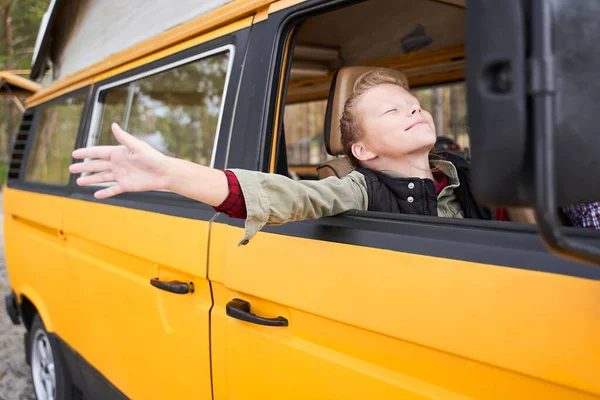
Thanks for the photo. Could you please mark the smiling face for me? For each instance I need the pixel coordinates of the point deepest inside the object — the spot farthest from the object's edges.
(393, 124)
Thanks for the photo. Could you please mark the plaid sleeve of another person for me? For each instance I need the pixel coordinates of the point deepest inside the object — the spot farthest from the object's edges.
(584, 215)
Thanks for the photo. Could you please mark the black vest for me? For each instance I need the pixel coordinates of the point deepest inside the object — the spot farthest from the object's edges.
(418, 196)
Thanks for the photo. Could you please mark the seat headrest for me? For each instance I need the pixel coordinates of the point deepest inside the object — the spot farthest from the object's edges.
(341, 89)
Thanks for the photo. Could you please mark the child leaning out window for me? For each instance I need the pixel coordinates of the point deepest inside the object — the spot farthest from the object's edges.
(386, 135)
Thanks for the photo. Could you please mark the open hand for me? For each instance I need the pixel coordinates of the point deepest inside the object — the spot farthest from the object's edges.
(135, 166)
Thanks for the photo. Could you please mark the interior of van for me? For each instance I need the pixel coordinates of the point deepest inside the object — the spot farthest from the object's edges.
(421, 42)
(428, 50)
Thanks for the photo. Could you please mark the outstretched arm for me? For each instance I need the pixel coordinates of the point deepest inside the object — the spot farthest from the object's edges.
(269, 199)
(137, 167)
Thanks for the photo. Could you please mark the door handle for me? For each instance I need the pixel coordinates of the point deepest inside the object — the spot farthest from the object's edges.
(240, 309)
(173, 286)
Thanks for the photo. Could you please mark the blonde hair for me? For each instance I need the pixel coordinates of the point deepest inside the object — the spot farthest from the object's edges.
(350, 123)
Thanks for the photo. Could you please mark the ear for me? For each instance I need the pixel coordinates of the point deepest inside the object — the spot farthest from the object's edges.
(361, 152)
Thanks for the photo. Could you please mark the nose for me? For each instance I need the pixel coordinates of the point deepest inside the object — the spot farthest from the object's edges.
(415, 109)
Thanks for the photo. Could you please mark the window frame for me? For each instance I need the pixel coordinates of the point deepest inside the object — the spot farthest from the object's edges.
(93, 132)
(164, 202)
(43, 187)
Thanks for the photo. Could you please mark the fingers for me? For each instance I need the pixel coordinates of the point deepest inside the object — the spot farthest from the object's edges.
(102, 177)
(108, 192)
(91, 166)
(124, 138)
(94, 152)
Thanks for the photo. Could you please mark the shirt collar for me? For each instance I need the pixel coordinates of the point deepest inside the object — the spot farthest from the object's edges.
(446, 167)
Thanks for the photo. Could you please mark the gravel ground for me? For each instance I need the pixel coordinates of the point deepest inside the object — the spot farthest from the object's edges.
(15, 378)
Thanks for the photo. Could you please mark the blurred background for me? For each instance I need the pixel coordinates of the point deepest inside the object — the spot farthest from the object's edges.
(20, 22)
(19, 25)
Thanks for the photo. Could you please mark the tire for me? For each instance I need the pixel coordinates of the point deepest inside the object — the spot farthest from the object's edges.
(50, 378)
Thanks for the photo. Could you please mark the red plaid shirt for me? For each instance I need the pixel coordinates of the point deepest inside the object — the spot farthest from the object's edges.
(442, 181)
(234, 205)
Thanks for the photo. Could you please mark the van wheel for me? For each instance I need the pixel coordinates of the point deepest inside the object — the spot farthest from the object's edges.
(50, 379)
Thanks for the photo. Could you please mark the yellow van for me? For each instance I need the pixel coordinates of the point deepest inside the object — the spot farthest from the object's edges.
(149, 296)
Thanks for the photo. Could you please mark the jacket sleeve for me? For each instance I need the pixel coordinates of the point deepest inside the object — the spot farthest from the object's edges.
(275, 199)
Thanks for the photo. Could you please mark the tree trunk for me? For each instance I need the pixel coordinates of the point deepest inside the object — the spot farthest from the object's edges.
(9, 129)
(8, 35)
(438, 111)
(7, 39)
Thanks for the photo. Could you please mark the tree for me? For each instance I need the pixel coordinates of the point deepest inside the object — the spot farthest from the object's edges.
(20, 25)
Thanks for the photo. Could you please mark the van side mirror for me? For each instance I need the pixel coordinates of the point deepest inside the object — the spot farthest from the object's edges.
(533, 94)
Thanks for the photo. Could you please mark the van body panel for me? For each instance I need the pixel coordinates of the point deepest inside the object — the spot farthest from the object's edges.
(35, 256)
(424, 323)
(135, 333)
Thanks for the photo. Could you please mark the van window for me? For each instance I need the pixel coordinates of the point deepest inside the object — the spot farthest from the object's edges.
(303, 124)
(54, 141)
(448, 106)
(176, 111)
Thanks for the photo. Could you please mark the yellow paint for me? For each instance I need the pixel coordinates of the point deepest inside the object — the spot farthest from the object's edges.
(261, 15)
(37, 100)
(244, 23)
(19, 71)
(283, 4)
(371, 323)
(87, 267)
(35, 254)
(27, 292)
(12, 78)
(364, 323)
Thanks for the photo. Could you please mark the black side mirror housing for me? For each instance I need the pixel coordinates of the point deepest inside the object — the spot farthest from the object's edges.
(533, 92)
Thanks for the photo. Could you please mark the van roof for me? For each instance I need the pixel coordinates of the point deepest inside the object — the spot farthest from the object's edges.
(75, 35)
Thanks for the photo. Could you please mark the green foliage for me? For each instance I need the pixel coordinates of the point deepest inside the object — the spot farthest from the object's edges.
(176, 111)
(54, 141)
(3, 173)
(26, 16)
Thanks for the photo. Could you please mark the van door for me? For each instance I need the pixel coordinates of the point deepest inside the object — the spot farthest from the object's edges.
(387, 306)
(141, 259)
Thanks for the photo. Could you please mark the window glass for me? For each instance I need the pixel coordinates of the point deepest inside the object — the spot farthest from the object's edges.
(304, 124)
(176, 111)
(55, 137)
(448, 106)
